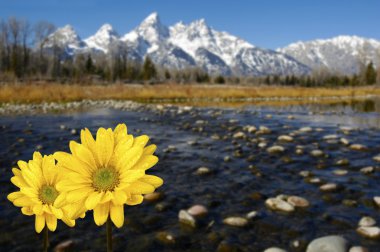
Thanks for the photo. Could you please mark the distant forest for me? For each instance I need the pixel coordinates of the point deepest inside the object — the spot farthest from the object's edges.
(24, 59)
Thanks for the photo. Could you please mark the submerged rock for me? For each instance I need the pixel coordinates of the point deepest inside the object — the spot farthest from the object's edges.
(331, 243)
(274, 249)
(236, 221)
(203, 171)
(186, 218)
(197, 210)
(297, 201)
(358, 147)
(279, 204)
(367, 221)
(369, 232)
(329, 187)
(285, 138)
(276, 149)
(316, 153)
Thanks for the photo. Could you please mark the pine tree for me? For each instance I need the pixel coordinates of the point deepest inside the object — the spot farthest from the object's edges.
(219, 80)
(370, 74)
(149, 71)
(89, 65)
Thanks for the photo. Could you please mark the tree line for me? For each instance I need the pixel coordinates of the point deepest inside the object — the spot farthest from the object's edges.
(25, 57)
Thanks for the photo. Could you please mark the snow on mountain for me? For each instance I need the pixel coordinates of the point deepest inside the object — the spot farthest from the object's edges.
(181, 46)
(342, 54)
(103, 38)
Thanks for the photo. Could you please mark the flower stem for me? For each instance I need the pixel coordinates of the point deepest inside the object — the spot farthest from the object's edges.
(109, 234)
(46, 238)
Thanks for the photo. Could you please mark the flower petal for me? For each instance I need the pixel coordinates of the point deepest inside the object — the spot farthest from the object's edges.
(134, 200)
(146, 162)
(101, 213)
(39, 223)
(129, 159)
(93, 200)
(149, 150)
(141, 141)
(104, 146)
(119, 197)
(51, 222)
(153, 180)
(117, 215)
(138, 187)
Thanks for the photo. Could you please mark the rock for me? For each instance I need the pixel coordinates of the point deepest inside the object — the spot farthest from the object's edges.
(358, 249)
(340, 172)
(315, 180)
(331, 243)
(330, 137)
(367, 170)
(65, 246)
(377, 158)
(297, 201)
(250, 128)
(285, 138)
(165, 238)
(186, 218)
(197, 210)
(329, 187)
(236, 221)
(274, 249)
(252, 214)
(358, 147)
(344, 141)
(73, 131)
(152, 197)
(367, 221)
(342, 162)
(377, 200)
(62, 127)
(239, 135)
(291, 117)
(203, 171)
(305, 174)
(227, 159)
(263, 130)
(279, 204)
(299, 151)
(316, 153)
(262, 145)
(369, 232)
(276, 149)
(305, 129)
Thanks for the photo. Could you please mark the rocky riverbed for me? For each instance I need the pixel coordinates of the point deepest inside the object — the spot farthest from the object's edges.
(248, 179)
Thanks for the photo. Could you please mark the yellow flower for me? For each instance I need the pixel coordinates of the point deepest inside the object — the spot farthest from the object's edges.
(104, 174)
(37, 181)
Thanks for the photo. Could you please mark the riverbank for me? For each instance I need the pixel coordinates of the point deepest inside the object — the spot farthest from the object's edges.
(38, 93)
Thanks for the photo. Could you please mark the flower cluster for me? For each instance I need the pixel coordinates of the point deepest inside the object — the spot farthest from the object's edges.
(101, 174)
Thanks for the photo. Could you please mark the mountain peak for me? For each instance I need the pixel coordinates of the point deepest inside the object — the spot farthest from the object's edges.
(152, 29)
(151, 19)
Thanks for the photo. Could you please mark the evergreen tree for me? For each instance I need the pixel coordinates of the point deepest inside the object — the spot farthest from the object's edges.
(370, 74)
(149, 71)
(219, 80)
(89, 65)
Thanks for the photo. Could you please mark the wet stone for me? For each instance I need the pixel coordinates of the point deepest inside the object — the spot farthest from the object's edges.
(236, 221)
(315, 181)
(165, 238)
(285, 138)
(203, 171)
(239, 135)
(343, 162)
(274, 249)
(250, 128)
(358, 249)
(197, 210)
(358, 147)
(278, 204)
(316, 153)
(329, 187)
(367, 170)
(331, 243)
(305, 174)
(275, 149)
(369, 232)
(344, 141)
(340, 172)
(297, 201)
(377, 200)
(367, 221)
(186, 218)
(305, 129)
(377, 158)
(330, 137)
(65, 246)
(252, 214)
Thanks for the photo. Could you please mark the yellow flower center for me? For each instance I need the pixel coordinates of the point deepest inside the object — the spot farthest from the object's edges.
(48, 194)
(105, 179)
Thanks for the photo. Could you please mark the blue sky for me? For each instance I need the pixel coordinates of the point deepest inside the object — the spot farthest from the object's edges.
(266, 23)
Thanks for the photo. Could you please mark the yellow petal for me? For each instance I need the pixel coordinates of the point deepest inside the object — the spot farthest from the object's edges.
(93, 200)
(60, 201)
(141, 141)
(49, 169)
(83, 154)
(16, 172)
(117, 215)
(51, 222)
(108, 196)
(120, 132)
(149, 150)
(119, 197)
(31, 179)
(23, 165)
(153, 180)
(101, 213)
(71, 163)
(134, 200)
(37, 157)
(146, 162)
(68, 222)
(138, 187)
(58, 213)
(18, 181)
(37, 209)
(15, 195)
(130, 176)
(68, 185)
(39, 223)
(129, 159)
(23, 201)
(30, 192)
(77, 195)
(104, 146)
(27, 211)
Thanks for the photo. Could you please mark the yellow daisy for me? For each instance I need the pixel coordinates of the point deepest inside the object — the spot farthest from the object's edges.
(37, 181)
(104, 174)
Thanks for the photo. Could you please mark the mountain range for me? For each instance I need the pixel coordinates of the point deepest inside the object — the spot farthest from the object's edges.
(198, 45)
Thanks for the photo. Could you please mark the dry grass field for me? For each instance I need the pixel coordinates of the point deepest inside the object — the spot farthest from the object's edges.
(36, 93)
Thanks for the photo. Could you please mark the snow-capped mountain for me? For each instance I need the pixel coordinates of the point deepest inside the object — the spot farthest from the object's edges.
(342, 54)
(103, 38)
(182, 46)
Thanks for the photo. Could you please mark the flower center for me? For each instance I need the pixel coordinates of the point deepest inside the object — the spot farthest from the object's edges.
(105, 179)
(48, 194)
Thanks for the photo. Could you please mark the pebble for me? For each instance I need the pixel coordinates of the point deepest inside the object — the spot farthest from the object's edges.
(343, 162)
(331, 243)
(73, 131)
(329, 187)
(252, 214)
(263, 130)
(274, 249)
(340, 172)
(62, 126)
(358, 147)
(316, 153)
(236, 221)
(165, 238)
(276, 149)
(65, 246)
(369, 232)
(239, 135)
(197, 210)
(367, 170)
(279, 204)
(377, 200)
(250, 128)
(186, 218)
(152, 197)
(367, 221)
(262, 145)
(297, 201)
(344, 141)
(305, 129)
(377, 158)
(358, 249)
(315, 180)
(305, 174)
(203, 171)
(285, 138)
(330, 137)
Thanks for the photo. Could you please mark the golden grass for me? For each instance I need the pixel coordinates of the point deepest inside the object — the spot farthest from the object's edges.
(35, 93)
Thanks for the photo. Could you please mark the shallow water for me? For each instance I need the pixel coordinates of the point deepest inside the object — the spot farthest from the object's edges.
(234, 188)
